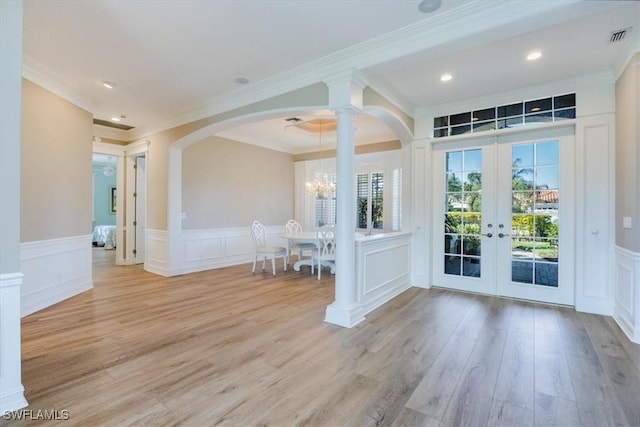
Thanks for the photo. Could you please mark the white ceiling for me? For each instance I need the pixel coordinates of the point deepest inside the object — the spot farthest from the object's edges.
(175, 61)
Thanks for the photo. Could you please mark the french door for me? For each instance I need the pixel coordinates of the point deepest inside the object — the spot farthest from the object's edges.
(503, 217)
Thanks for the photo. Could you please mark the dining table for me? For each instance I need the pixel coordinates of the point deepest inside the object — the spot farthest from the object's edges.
(308, 237)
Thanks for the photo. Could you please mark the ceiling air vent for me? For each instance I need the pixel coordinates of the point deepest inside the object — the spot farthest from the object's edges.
(618, 35)
(110, 124)
(293, 120)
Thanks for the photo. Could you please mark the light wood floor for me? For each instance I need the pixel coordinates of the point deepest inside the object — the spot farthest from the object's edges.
(226, 347)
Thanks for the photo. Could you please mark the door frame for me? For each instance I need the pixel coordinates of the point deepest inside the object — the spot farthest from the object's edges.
(133, 151)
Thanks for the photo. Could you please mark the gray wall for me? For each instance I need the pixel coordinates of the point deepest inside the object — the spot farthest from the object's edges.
(55, 166)
(229, 184)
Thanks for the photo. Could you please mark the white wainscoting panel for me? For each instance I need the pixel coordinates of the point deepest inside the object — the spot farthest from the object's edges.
(11, 389)
(156, 255)
(383, 268)
(54, 270)
(201, 248)
(627, 292)
(222, 247)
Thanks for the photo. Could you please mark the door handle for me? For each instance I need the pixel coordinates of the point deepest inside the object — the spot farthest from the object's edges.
(501, 235)
(488, 234)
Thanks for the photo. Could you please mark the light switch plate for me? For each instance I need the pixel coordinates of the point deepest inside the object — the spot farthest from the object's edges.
(626, 222)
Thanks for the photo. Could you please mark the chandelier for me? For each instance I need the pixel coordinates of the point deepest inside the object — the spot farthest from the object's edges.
(321, 186)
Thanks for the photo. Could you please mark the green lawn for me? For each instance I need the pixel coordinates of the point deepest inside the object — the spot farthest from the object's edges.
(543, 249)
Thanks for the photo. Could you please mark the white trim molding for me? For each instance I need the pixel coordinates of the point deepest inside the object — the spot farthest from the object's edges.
(11, 389)
(156, 252)
(109, 149)
(627, 292)
(129, 191)
(54, 270)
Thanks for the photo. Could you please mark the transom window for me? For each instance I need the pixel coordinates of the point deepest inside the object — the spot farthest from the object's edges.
(538, 111)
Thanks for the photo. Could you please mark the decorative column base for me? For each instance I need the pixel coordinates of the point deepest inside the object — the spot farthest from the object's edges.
(11, 389)
(346, 317)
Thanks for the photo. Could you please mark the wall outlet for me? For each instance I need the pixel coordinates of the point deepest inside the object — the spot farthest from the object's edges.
(183, 215)
(626, 222)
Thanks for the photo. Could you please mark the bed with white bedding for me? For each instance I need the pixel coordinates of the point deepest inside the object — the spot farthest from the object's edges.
(105, 235)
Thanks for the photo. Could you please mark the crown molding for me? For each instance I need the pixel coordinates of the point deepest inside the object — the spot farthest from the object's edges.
(42, 76)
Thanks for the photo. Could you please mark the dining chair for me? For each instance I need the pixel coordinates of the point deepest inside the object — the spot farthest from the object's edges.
(326, 255)
(259, 235)
(291, 227)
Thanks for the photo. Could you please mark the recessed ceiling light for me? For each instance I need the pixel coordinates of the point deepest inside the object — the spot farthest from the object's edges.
(108, 85)
(534, 55)
(446, 77)
(241, 80)
(115, 119)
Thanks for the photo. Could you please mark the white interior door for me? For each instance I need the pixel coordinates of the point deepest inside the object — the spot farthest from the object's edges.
(140, 221)
(504, 217)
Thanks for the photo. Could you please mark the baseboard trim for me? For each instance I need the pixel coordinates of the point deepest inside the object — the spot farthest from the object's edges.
(12, 401)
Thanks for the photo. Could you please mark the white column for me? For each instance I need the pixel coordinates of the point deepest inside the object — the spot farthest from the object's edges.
(345, 311)
(11, 389)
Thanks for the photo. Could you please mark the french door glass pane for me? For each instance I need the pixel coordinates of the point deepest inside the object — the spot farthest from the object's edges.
(462, 219)
(534, 214)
